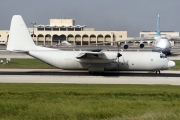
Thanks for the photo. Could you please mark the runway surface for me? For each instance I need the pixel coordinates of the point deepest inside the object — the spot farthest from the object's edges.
(83, 77)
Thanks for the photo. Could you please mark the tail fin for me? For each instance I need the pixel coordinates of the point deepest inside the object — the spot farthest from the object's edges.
(19, 37)
(158, 26)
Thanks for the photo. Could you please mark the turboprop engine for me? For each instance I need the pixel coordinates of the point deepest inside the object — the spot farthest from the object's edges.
(126, 46)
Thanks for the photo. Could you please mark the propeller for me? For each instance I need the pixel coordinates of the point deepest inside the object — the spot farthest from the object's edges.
(118, 54)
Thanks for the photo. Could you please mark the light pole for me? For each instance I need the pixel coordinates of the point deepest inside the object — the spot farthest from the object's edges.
(33, 23)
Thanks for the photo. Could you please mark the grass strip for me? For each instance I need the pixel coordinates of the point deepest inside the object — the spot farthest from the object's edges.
(26, 64)
(80, 101)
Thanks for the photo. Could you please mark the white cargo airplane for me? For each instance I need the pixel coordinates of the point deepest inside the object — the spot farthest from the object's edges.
(93, 61)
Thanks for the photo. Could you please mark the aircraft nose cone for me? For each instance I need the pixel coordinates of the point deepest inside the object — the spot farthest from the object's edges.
(171, 64)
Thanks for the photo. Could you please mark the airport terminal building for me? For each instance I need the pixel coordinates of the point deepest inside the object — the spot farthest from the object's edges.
(65, 29)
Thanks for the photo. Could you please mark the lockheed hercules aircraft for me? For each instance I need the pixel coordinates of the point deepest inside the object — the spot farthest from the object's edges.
(92, 61)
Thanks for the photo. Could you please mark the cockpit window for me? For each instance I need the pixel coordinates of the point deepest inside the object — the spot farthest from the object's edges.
(163, 56)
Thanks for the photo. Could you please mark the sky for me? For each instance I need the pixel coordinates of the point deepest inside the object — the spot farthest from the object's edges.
(133, 16)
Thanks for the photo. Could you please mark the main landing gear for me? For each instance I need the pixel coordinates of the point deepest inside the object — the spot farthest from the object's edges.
(158, 72)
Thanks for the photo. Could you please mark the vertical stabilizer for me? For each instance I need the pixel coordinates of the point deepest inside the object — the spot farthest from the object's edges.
(19, 36)
(158, 26)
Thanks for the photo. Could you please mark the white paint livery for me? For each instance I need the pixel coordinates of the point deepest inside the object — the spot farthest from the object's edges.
(99, 61)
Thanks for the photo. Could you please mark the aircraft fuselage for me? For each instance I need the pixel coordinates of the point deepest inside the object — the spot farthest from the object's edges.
(145, 61)
(162, 45)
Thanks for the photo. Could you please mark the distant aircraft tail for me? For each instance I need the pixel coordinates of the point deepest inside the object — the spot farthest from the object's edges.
(19, 37)
(158, 26)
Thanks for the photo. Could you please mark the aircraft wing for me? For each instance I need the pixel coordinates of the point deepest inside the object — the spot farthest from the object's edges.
(129, 40)
(175, 38)
(143, 38)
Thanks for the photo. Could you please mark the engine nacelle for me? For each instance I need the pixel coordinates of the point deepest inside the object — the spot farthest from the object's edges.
(141, 45)
(126, 46)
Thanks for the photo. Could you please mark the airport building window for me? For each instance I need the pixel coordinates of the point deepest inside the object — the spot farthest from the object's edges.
(77, 29)
(40, 29)
(70, 29)
(47, 29)
(55, 29)
(62, 29)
